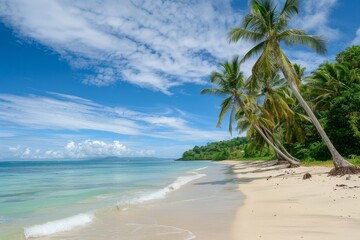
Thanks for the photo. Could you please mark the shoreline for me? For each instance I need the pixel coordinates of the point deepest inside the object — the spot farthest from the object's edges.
(279, 204)
(187, 213)
(234, 200)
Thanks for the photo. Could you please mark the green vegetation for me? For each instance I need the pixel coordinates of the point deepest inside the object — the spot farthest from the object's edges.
(267, 26)
(328, 163)
(350, 56)
(311, 118)
(334, 93)
(231, 84)
(236, 148)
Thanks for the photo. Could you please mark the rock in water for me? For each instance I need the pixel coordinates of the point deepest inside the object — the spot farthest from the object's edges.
(307, 176)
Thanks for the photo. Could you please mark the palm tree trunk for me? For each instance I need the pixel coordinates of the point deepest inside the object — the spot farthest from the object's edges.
(281, 147)
(290, 76)
(292, 162)
(276, 149)
(280, 159)
(338, 160)
(285, 151)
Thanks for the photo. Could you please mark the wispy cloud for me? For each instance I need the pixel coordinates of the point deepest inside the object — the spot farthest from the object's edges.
(309, 60)
(64, 112)
(152, 44)
(57, 125)
(315, 17)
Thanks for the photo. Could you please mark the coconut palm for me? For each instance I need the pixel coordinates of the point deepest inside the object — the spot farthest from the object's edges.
(300, 72)
(328, 82)
(268, 27)
(267, 122)
(231, 84)
(280, 103)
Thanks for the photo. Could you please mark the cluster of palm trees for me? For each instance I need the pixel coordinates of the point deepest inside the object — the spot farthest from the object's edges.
(269, 104)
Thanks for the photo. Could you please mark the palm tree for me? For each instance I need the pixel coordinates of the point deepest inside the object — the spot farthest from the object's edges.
(231, 84)
(266, 119)
(300, 72)
(279, 102)
(268, 27)
(328, 82)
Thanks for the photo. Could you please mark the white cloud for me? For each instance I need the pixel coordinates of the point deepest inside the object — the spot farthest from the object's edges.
(64, 112)
(14, 149)
(356, 40)
(315, 16)
(152, 44)
(60, 113)
(83, 149)
(309, 60)
(93, 148)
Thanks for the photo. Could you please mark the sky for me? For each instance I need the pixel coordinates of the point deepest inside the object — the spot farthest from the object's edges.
(85, 79)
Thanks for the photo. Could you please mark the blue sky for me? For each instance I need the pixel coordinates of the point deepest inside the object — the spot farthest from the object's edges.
(84, 79)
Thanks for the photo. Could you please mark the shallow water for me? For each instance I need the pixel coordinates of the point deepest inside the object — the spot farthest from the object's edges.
(44, 197)
(203, 209)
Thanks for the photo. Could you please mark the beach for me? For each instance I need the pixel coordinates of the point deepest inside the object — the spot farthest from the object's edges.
(279, 204)
(202, 209)
(230, 200)
(42, 198)
(116, 199)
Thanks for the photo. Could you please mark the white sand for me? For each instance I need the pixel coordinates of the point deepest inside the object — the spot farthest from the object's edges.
(287, 207)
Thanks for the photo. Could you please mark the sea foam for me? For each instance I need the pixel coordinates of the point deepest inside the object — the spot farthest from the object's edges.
(66, 224)
(199, 169)
(62, 225)
(178, 183)
(2, 220)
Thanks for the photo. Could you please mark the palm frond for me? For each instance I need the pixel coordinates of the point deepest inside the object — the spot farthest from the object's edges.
(225, 106)
(291, 7)
(213, 91)
(294, 36)
(238, 33)
(254, 51)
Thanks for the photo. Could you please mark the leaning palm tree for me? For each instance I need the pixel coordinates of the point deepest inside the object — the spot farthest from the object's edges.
(268, 27)
(231, 84)
(279, 102)
(259, 115)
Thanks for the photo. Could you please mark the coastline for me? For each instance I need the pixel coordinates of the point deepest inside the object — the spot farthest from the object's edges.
(204, 208)
(279, 204)
(232, 200)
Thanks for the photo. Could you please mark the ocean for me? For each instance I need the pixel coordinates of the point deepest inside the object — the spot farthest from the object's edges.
(40, 198)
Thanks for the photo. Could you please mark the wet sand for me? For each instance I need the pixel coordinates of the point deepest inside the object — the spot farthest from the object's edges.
(202, 209)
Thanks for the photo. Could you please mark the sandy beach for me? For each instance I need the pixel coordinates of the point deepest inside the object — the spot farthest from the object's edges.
(279, 204)
(238, 200)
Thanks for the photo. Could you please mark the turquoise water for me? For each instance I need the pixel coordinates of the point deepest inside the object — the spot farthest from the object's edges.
(36, 192)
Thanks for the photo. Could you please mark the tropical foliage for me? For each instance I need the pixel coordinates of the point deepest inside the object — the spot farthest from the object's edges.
(236, 148)
(291, 112)
(351, 56)
(243, 107)
(267, 26)
(333, 90)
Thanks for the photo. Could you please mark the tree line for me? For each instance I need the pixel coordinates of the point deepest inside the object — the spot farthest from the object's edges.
(236, 148)
(296, 116)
